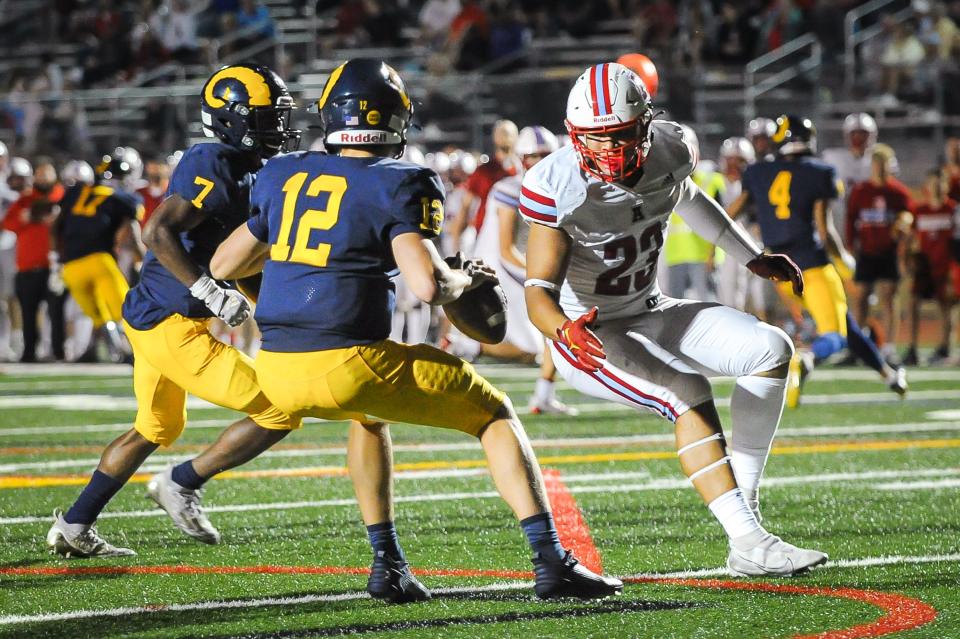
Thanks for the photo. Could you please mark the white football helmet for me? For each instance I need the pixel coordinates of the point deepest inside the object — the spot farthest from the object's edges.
(861, 122)
(412, 153)
(737, 147)
(21, 167)
(535, 140)
(77, 172)
(609, 100)
(761, 126)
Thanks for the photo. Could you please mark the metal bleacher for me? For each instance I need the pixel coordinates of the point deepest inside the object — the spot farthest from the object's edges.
(530, 86)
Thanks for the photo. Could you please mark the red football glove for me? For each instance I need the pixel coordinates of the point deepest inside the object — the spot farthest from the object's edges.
(585, 346)
(779, 268)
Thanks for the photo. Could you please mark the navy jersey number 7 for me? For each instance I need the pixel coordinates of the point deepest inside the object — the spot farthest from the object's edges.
(329, 221)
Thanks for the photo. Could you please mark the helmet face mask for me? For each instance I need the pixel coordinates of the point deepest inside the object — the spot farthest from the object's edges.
(629, 145)
(248, 107)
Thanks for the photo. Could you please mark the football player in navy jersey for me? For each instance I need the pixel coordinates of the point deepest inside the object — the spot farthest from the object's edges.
(247, 108)
(93, 219)
(327, 232)
(792, 194)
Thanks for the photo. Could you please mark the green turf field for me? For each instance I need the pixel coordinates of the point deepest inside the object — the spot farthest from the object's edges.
(871, 480)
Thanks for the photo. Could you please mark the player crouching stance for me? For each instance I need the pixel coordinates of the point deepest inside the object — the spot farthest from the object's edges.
(598, 210)
(327, 232)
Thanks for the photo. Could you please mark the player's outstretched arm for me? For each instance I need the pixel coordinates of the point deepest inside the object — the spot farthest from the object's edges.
(429, 276)
(240, 255)
(736, 207)
(711, 222)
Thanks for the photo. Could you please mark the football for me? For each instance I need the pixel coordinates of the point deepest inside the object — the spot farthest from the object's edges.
(480, 313)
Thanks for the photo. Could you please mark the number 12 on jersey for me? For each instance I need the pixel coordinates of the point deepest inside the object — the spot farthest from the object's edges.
(311, 219)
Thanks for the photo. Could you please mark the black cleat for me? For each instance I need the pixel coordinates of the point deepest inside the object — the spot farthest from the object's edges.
(568, 578)
(391, 580)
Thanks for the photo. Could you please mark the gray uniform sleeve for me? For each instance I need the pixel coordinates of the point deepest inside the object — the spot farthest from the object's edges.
(711, 222)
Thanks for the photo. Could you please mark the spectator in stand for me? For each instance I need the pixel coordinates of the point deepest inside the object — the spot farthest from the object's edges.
(256, 17)
(176, 27)
(878, 222)
(736, 35)
(946, 29)
(478, 185)
(210, 19)
(30, 218)
(657, 24)
(469, 34)
(156, 170)
(900, 59)
(509, 35)
(435, 19)
(931, 262)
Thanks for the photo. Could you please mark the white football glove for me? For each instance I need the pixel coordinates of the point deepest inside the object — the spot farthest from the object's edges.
(55, 279)
(229, 305)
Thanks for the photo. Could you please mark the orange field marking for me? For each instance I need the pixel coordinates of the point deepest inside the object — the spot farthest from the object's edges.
(900, 611)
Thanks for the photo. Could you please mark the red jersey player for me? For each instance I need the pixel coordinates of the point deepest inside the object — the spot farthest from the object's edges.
(877, 212)
(503, 164)
(931, 261)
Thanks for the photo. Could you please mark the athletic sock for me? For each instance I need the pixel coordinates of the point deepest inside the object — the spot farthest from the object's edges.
(93, 499)
(755, 408)
(186, 475)
(543, 392)
(383, 538)
(733, 513)
(541, 532)
(862, 346)
(826, 344)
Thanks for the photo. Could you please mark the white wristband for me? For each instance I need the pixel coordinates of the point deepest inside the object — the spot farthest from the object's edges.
(550, 286)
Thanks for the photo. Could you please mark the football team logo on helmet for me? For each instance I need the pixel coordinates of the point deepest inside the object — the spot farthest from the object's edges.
(364, 103)
(609, 104)
(248, 107)
(795, 135)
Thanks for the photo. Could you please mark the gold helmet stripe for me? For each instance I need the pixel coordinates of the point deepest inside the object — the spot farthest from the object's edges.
(255, 83)
(332, 80)
(782, 130)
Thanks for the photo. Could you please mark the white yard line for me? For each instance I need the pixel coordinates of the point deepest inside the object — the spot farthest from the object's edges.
(920, 485)
(353, 596)
(573, 481)
(893, 560)
(157, 462)
(243, 603)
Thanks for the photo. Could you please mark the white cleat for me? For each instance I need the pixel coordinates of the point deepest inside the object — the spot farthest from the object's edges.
(773, 557)
(183, 506)
(552, 406)
(75, 541)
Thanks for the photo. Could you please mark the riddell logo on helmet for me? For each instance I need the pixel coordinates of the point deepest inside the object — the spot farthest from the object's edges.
(379, 137)
(601, 119)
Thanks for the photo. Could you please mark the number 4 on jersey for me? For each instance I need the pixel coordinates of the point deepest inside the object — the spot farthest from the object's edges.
(779, 194)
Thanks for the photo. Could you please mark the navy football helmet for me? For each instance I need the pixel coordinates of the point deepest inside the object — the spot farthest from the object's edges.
(123, 167)
(248, 106)
(364, 103)
(795, 135)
